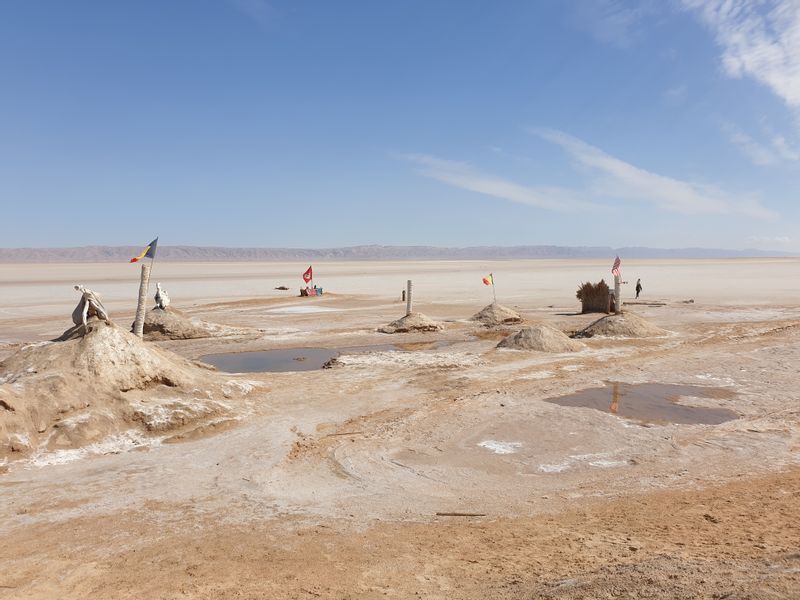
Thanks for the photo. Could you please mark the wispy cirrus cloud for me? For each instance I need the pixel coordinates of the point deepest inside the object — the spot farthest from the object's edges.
(613, 22)
(676, 95)
(607, 179)
(622, 180)
(260, 11)
(772, 151)
(760, 40)
(758, 153)
(466, 177)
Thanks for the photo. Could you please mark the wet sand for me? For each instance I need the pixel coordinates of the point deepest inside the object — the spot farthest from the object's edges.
(331, 483)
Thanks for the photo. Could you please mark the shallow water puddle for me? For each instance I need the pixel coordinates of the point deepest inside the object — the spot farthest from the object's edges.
(285, 359)
(652, 403)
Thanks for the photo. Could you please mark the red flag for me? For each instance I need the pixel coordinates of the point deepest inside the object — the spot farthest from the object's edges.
(308, 275)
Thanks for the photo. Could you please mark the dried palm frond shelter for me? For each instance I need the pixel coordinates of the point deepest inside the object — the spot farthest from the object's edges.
(596, 297)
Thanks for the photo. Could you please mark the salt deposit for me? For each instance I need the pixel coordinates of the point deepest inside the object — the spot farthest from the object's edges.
(496, 314)
(412, 322)
(625, 325)
(542, 338)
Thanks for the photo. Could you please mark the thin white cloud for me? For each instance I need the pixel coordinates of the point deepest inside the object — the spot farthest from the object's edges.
(676, 95)
(466, 177)
(760, 40)
(613, 22)
(622, 180)
(609, 178)
(772, 151)
(260, 11)
(784, 149)
(758, 153)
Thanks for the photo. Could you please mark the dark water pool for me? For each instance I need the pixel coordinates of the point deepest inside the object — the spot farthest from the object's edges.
(652, 403)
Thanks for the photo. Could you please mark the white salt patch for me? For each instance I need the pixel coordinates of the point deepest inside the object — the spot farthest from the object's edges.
(299, 310)
(72, 422)
(409, 359)
(36, 345)
(500, 447)
(23, 439)
(722, 381)
(537, 375)
(602, 460)
(555, 468)
(114, 444)
(245, 387)
(606, 464)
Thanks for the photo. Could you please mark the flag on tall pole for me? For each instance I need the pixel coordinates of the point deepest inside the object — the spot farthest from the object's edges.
(489, 280)
(615, 269)
(148, 252)
(308, 275)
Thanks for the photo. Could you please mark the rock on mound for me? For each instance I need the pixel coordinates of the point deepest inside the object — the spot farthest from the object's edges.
(65, 395)
(627, 325)
(412, 322)
(496, 314)
(172, 324)
(542, 338)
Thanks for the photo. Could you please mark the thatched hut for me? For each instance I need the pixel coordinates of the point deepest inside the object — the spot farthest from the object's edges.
(596, 297)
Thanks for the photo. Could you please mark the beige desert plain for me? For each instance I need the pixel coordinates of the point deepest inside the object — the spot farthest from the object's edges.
(436, 471)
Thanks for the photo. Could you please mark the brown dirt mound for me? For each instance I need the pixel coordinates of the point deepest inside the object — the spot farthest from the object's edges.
(496, 314)
(70, 394)
(542, 338)
(172, 324)
(627, 325)
(412, 322)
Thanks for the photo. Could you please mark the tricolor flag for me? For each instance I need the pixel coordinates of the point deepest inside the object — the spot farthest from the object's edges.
(308, 275)
(488, 280)
(148, 252)
(615, 269)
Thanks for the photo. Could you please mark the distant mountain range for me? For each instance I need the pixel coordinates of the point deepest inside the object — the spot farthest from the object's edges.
(211, 253)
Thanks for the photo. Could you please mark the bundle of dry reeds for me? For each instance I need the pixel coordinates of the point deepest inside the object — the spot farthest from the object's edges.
(594, 297)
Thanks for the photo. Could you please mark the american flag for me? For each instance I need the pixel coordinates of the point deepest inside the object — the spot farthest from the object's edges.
(615, 269)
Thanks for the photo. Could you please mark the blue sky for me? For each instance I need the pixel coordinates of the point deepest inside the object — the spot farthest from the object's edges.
(310, 124)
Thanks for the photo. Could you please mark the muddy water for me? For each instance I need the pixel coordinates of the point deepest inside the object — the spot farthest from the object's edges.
(290, 359)
(304, 359)
(652, 403)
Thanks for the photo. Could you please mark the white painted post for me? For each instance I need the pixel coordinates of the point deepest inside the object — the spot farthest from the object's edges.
(408, 297)
(617, 295)
(144, 282)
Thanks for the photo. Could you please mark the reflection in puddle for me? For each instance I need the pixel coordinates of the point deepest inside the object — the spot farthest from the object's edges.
(652, 402)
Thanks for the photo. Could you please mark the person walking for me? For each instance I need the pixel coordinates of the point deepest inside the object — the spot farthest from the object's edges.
(638, 288)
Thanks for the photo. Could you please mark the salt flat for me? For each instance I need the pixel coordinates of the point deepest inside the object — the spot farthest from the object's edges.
(338, 482)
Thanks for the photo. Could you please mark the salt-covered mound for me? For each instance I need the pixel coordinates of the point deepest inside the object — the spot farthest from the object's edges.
(105, 389)
(542, 338)
(497, 314)
(411, 322)
(171, 324)
(627, 325)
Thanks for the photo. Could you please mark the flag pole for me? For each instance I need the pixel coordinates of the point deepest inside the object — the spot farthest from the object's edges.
(141, 305)
(494, 293)
(144, 282)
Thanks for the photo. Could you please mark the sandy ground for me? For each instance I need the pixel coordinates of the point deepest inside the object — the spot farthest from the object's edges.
(332, 483)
